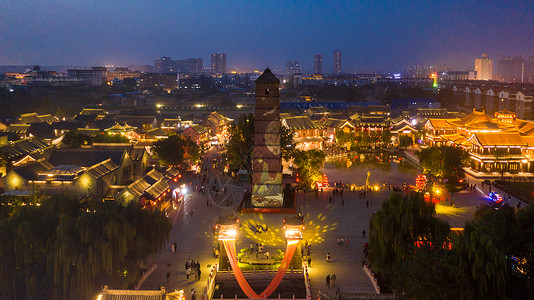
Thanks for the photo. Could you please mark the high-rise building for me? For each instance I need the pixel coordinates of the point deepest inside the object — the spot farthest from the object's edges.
(337, 62)
(218, 63)
(317, 64)
(484, 68)
(511, 69)
(194, 65)
(292, 67)
(163, 65)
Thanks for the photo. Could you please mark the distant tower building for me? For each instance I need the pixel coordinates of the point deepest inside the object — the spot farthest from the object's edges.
(292, 67)
(318, 64)
(484, 68)
(337, 62)
(163, 65)
(218, 63)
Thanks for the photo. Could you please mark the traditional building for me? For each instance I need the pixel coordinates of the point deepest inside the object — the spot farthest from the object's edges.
(307, 134)
(218, 125)
(197, 133)
(496, 145)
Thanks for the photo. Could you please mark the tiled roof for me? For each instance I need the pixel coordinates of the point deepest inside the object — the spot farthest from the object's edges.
(497, 139)
(442, 123)
(170, 123)
(136, 153)
(336, 123)
(458, 139)
(300, 123)
(152, 183)
(155, 133)
(85, 157)
(529, 140)
(23, 147)
(473, 117)
(103, 168)
(199, 129)
(267, 77)
(92, 111)
(31, 170)
(18, 128)
(88, 131)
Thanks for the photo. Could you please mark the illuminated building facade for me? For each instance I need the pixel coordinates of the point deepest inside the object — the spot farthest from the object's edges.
(218, 63)
(292, 67)
(496, 145)
(484, 68)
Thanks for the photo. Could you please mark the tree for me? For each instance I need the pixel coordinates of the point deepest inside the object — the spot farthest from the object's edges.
(241, 143)
(72, 139)
(175, 150)
(344, 139)
(240, 146)
(286, 142)
(405, 141)
(309, 164)
(445, 162)
(386, 136)
(111, 138)
(66, 250)
(400, 222)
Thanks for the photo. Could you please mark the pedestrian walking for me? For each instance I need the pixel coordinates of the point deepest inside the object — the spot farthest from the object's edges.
(187, 273)
(363, 233)
(346, 242)
(188, 264)
(193, 294)
(327, 257)
(199, 274)
(328, 280)
(338, 241)
(309, 261)
(333, 280)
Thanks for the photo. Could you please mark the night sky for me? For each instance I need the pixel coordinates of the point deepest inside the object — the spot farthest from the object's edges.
(372, 35)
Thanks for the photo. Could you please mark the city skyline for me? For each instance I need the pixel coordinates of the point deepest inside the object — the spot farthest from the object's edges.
(368, 34)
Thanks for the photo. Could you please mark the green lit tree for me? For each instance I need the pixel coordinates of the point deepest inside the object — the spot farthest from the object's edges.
(240, 146)
(309, 164)
(175, 151)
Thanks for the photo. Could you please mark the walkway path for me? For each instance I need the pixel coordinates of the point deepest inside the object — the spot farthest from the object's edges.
(195, 240)
(325, 222)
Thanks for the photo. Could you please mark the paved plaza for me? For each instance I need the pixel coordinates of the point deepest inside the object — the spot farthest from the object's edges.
(345, 216)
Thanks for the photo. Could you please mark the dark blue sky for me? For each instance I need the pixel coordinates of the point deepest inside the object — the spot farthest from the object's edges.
(382, 35)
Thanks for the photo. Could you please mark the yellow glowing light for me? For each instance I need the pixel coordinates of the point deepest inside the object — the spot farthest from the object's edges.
(159, 105)
(199, 105)
(438, 191)
(239, 105)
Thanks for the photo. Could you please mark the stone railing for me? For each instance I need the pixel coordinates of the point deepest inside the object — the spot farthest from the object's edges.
(145, 275)
(307, 281)
(371, 276)
(210, 287)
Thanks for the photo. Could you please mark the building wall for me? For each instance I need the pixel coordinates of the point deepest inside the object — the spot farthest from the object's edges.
(14, 181)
